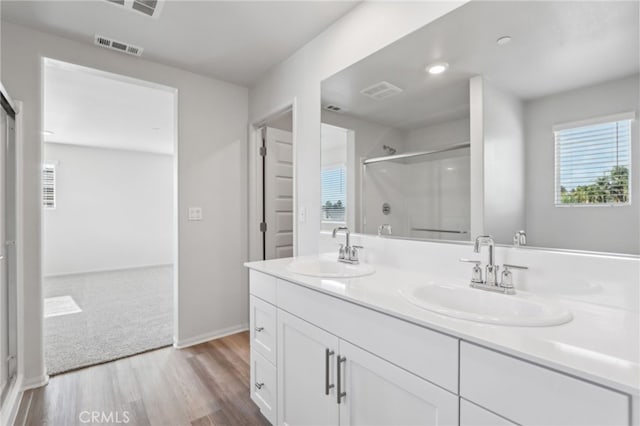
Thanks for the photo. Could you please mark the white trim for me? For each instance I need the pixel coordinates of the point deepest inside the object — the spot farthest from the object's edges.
(12, 403)
(35, 382)
(629, 115)
(196, 340)
(98, 271)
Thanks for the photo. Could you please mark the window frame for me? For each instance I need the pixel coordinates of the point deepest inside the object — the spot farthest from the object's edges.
(626, 116)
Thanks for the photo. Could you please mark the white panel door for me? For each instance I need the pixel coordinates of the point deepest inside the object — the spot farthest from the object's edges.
(306, 367)
(380, 393)
(278, 195)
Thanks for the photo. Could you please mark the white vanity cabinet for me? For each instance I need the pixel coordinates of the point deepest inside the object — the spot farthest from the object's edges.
(314, 367)
(313, 347)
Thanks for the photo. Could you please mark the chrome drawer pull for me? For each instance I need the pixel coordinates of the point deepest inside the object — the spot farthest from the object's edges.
(327, 386)
(340, 393)
(259, 329)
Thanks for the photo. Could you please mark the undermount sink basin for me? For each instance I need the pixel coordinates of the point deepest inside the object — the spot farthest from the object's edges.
(487, 307)
(329, 267)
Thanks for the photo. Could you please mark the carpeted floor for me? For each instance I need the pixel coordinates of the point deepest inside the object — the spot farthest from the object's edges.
(123, 313)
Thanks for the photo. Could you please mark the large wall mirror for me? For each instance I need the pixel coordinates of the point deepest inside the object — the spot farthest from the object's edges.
(497, 118)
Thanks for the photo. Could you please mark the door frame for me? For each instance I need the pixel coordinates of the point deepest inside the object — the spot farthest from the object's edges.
(255, 197)
(117, 75)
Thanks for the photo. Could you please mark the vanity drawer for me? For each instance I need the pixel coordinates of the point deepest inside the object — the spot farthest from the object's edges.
(262, 286)
(262, 328)
(263, 386)
(426, 353)
(529, 394)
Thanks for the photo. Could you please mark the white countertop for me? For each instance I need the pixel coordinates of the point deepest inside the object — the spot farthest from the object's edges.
(601, 344)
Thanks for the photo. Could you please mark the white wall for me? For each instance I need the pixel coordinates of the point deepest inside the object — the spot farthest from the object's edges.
(602, 228)
(114, 210)
(211, 166)
(367, 28)
(437, 135)
(497, 162)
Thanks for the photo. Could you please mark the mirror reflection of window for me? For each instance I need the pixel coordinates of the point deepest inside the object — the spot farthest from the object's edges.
(334, 204)
(593, 162)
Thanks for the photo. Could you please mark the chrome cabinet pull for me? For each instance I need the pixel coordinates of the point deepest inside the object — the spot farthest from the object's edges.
(259, 385)
(259, 329)
(340, 393)
(327, 386)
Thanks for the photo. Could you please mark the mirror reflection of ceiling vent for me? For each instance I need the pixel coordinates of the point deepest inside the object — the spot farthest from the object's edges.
(381, 90)
(119, 46)
(333, 108)
(147, 7)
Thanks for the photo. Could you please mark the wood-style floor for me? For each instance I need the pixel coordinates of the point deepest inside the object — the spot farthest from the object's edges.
(207, 384)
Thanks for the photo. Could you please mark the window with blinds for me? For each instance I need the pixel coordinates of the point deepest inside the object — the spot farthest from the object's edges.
(49, 186)
(593, 163)
(334, 194)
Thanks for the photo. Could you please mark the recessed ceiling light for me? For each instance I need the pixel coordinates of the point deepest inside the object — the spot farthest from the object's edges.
(438, 68)
(450, 168)
(47, 133)
(503, 40)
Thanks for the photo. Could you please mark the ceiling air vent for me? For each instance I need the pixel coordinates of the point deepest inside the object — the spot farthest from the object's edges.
(381, 90)
(333, 108)
(146, 7)
(112, 44)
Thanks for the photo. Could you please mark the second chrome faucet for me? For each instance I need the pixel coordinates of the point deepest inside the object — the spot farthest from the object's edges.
(347, 253)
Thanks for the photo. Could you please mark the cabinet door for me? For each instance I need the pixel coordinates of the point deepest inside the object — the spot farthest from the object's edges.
(262, 322)
(304, 393)
(380, 393)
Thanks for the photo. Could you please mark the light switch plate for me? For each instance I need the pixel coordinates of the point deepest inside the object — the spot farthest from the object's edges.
(195, 213)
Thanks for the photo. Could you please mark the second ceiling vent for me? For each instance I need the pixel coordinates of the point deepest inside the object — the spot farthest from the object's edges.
(119, 46)
(147, 7)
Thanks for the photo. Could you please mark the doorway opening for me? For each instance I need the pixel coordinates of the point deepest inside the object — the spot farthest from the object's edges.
(109, 216)
(276, 206)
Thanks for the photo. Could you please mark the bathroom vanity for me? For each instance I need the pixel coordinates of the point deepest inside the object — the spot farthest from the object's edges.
(330, 351)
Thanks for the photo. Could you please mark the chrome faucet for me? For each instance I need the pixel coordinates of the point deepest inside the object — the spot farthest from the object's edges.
(384, 227)
(491, 270)
(347, 252)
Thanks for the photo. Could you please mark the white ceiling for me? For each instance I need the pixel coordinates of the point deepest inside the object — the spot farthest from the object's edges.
(556, 46)
(235, 41)
(87, 107)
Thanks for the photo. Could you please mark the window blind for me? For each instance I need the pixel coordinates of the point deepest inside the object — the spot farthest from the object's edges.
(593, 164)
(334, 198)
(49, 186)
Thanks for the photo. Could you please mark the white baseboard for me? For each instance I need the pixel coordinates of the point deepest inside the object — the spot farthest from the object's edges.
(35, 382)
(185, 343)
(99, 271)
(12, 403)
